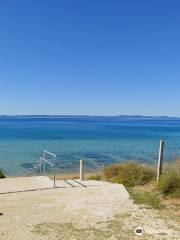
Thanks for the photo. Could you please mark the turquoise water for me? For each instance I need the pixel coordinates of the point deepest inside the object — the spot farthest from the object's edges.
(100, 140)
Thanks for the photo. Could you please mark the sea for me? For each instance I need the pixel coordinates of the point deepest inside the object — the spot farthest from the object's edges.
(100, 141)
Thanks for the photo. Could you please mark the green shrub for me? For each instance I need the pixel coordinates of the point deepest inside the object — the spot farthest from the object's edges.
(96, 177)
(2, 173)
(129, 173)
(146, 198)
(170, 180)
(111, 171)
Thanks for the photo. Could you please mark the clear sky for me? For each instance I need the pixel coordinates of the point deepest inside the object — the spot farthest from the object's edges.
(99, 57)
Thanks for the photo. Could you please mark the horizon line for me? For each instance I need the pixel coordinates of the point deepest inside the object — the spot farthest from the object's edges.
(88, 115)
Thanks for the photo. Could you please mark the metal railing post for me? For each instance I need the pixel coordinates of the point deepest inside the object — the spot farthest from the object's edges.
(44, 156)
(54, 173)
(81, 169)
(53, 165)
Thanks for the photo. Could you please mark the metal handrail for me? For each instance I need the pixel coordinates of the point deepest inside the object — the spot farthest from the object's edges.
(49, 153)
(44, 160)
(38, 164)
(52, 164)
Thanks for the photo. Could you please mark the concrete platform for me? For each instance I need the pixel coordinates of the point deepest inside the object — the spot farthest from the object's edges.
(64, 204)
(24, 184)
(66, 212)
(20, 184)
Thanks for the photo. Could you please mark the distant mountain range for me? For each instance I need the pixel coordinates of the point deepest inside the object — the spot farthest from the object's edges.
(91, 116)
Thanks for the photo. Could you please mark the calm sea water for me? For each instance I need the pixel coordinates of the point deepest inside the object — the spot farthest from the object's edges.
(99, 140)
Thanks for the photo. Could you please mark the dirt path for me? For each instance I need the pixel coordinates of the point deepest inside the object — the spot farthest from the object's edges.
(99, 211)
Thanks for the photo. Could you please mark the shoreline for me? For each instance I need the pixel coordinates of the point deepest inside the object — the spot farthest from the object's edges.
(59, 176)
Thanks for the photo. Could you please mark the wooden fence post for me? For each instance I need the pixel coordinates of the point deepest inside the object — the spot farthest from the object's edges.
(160, 159)
(81, 169)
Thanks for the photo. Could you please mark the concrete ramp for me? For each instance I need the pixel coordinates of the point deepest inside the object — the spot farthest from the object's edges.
(20, 184)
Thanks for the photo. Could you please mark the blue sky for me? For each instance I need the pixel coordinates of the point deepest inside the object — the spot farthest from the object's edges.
(94, 57)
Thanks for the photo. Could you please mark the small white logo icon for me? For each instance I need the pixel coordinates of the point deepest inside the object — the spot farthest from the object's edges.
(139, 231)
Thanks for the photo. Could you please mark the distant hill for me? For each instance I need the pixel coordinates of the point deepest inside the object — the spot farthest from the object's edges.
(91, 116)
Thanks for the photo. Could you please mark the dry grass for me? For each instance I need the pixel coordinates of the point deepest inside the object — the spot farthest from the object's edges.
(169, 183)
(95, 176)
(112, 230)
(129, 173)
(147, 198)
(170, 205)
(65, 176)
(88, 176)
